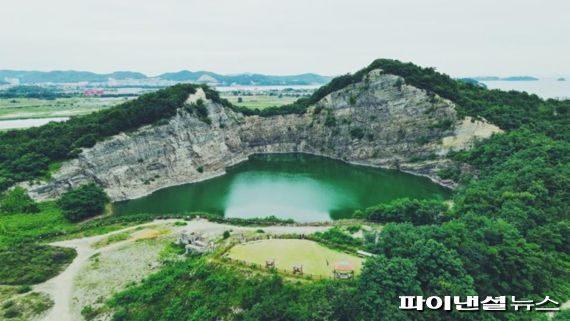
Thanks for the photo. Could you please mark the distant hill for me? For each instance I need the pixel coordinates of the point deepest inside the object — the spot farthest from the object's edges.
(511, 78)
(65, 76)
(245, 79)
(72, 76)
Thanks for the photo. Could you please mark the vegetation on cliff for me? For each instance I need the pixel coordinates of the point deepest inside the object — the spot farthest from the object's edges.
(508, 110)
(26, 154)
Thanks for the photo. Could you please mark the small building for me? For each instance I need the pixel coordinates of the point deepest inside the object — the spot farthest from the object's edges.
(343, 270)
(93, 92)
(195, 243)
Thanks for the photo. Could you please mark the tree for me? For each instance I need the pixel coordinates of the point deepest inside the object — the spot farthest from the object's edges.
(83, 202)
(16, 201)
(417, 212)
(381, 283)
(440, 270)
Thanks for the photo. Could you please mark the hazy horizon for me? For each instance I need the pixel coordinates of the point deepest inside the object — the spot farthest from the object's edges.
(270, 74)
(485, 38)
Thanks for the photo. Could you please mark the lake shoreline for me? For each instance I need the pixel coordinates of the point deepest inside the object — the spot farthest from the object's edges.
(316, 187)
(241, 160)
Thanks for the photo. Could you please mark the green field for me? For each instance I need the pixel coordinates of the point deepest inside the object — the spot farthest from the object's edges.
(23, 108)
(260, 101)
(315, 258)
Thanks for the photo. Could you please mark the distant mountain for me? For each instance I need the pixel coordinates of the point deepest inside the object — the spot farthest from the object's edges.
(511, 78)
(561, 79)
(245, 79)
(120, 75)
(66, 76)
(72, 76)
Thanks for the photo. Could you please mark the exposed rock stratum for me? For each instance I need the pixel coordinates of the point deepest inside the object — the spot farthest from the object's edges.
(380, 121)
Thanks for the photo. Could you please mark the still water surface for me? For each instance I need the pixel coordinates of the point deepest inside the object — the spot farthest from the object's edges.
(31, 122)
(298, 186)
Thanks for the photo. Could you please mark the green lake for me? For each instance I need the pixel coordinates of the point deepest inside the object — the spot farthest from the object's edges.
(298, 186)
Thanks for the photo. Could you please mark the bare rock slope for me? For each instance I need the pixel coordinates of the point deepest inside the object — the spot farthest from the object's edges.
(380, 121)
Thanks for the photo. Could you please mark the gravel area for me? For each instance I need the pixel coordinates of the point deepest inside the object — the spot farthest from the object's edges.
(98, 272)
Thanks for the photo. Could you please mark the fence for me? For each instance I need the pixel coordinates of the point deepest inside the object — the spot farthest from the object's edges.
(283, 271)
(259, 238)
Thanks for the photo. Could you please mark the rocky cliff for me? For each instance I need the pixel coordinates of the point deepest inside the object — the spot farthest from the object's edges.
(380, 121)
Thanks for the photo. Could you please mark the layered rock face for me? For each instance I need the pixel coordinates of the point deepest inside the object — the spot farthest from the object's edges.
(380, 121)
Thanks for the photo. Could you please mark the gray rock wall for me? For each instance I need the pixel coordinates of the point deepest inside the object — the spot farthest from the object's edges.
(399, 124)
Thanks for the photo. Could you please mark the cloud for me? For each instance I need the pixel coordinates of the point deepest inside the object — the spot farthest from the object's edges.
(285, 37)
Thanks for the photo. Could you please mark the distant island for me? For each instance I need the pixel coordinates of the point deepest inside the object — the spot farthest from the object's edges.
(511, 78)
(119, 78)
(561, 79)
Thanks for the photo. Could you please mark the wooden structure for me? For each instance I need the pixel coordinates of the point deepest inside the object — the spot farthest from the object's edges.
(343, 270)
(298, 269)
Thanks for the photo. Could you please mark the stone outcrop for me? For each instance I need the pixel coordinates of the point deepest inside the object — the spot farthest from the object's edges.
(380, 121)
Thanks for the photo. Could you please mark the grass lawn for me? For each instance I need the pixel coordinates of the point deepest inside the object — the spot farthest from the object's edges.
(310, 254)
(261, 101)
(19, 228)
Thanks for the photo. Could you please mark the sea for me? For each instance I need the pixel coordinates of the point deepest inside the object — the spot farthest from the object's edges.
(544, 87)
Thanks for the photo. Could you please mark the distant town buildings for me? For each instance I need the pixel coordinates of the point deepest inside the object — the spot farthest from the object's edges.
(93, 92)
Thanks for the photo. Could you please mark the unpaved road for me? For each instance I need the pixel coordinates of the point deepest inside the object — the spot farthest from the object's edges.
(60, 288)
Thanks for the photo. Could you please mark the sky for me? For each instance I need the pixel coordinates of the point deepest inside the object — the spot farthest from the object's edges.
(331, 37)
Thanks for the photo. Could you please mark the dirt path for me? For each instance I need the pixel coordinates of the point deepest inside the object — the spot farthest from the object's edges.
(60, 288)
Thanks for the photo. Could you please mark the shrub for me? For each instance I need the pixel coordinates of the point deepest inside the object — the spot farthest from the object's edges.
(24, 289)
(30, 264)
(450, 172)
(17, 201)
(335, 237)
(12, 312)
(7, 305)
(226, 234)
(88, 312)
(417, 212)
(330, 120)
(353, 228)
(357, 132)
(83, 202)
